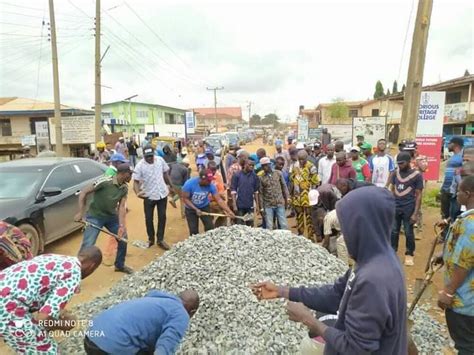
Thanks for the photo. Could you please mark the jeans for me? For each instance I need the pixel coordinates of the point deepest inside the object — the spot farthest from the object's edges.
(461, 330)
(193, 220)
(133, 160)
(112, 225)
(445, 199)
(403, 216)
(241, 212)
(149, 206)
(280, 214)
(92, 349)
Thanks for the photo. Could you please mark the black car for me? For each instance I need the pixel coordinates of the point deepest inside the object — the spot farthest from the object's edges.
(40, 195)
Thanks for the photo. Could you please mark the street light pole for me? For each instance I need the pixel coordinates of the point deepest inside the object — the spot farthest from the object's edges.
(129, 99)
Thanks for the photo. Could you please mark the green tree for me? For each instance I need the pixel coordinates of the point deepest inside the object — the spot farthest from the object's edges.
(338, 108)
(466, 73)
(395, 87)
(255, 120)
(379, 91)
(388, 92)
(270, 119)
(403, 88)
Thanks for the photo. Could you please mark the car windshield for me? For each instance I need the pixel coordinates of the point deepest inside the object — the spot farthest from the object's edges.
(19, 183)
(214, 143)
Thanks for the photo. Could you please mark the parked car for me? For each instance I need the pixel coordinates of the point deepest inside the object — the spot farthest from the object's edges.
(233, 138)
(215, 143)
(40, 195)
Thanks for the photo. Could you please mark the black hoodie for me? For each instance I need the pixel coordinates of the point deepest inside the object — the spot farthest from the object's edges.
(371, 299)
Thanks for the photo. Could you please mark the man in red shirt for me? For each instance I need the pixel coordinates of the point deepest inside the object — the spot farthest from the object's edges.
(342, 169)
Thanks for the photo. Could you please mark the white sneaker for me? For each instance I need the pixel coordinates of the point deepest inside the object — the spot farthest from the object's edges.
(409, 260)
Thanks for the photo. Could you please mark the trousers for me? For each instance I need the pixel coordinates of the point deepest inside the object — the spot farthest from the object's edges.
(149, 207)
(193, 220)
(461, 330)
(403, 216)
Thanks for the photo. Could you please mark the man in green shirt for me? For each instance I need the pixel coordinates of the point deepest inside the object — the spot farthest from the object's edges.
(115, 160)
(107, 209)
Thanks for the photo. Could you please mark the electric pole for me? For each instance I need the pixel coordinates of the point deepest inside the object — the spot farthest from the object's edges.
(98, 99)
(215, 104)
(250, 110)
(57, 102)
(411, 101)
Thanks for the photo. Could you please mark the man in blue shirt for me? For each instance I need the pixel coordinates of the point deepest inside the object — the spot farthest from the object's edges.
(449, 205)
(155, 324)
(196, 193)
(245, 186)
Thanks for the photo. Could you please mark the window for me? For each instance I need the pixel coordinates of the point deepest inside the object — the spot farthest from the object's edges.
(353, 113)
(453, 97)
(106, 114)
(61, 177)
(170, 118)
(84, 171)
(375, 112)
(142, 114)
(5, 127)
(142, 130)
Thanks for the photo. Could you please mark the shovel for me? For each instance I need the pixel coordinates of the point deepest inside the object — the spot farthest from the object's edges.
(419, 283)
(136, 243)
(426, 282)
(246, 217)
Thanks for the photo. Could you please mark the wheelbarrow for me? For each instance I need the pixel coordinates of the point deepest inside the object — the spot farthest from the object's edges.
(136, 243)
(246, 217)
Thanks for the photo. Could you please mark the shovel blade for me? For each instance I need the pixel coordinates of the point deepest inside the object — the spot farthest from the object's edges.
(428, 293)
(247, 217)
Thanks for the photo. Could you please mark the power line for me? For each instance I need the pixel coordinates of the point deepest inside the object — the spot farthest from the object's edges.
(405, 40)
(78, 8)
(39, 62)
(17, 24)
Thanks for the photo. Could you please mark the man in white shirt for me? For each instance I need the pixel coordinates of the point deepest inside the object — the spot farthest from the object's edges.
(382, 165)
(152, 184)
(325, 164)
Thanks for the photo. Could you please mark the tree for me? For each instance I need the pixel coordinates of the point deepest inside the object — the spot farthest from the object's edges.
(403, 88)
(338, 109)
(379, 91)
(466, 73)
(270, 119)
(388, 92)
(395, 87)
(255, 120)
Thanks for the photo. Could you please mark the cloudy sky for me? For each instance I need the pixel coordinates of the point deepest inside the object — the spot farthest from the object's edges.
(276, 54)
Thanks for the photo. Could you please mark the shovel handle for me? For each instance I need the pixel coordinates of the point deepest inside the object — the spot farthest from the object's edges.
(85, 223)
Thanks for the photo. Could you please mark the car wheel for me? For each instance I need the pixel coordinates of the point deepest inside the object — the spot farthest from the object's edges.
(32, 234)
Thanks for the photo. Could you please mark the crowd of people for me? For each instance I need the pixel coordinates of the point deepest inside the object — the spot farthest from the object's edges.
(354, 202)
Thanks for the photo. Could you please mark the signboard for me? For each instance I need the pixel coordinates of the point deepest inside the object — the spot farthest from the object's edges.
(302, 129)
(430, 114)
(429, 133)
(190, 121)
(340, 132)
(42, 130)
(315, 133)
(75, 129)
(28, 140)
(372, 128)
(456, 113)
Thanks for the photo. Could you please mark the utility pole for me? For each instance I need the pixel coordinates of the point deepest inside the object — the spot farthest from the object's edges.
(414, 84)
(57, 102)
(250, 110)
(98, 88)
(215, 104)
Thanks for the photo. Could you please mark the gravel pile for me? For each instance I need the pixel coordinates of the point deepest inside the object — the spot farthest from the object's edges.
(430, 336)
(220, 265)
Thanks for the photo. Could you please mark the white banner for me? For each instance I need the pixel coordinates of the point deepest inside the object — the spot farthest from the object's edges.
(190, 122)
(76, 130)
(430, 114)
(372, 128)
(302, 129)
(41, 128)
(28, 140)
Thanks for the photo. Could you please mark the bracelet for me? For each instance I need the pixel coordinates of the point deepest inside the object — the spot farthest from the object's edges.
(447, 294)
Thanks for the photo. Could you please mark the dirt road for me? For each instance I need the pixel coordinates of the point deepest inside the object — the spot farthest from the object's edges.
(176, 230)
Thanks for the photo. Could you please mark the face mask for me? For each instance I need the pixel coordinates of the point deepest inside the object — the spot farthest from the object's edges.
(463, 208)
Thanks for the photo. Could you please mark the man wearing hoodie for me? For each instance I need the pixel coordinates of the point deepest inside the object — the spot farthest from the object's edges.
(370, 300)
(154, 324)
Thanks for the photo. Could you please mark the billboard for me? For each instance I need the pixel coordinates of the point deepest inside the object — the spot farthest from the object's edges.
(372, 128)
(190, 122)
(456, 113)
(340, 132)
(429, 132)
(75, 130)
(302, 129)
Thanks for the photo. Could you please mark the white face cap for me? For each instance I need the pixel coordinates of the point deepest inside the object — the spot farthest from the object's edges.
(313, 196)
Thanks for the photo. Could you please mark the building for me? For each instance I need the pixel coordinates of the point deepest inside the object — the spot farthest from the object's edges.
(26, 121)
(141, 119)
(228, 118)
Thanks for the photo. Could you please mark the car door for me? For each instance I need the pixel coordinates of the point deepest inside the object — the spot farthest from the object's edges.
(59, 211)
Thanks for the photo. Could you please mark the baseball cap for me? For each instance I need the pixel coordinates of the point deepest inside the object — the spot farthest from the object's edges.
(124, 168)
(184, 151)
(355, 148)
(118, 157)
(148, 151)
(317, 145)
(366, 145)
(264, 161)
(359, 136)
(313, 196)
(121, 138)
(403, 157)
(410, 146)
(241, 152)
(458, 141)
(206, 174)
(209, 151)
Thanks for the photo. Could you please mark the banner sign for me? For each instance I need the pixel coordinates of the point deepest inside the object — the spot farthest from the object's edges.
(302, 129)
(456, 113)
(429, 133)
(315, 133)
(75, 130)
(372, 128)
(28, 140)
(190, 122)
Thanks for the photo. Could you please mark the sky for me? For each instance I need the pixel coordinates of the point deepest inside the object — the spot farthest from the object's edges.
(275, 54)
